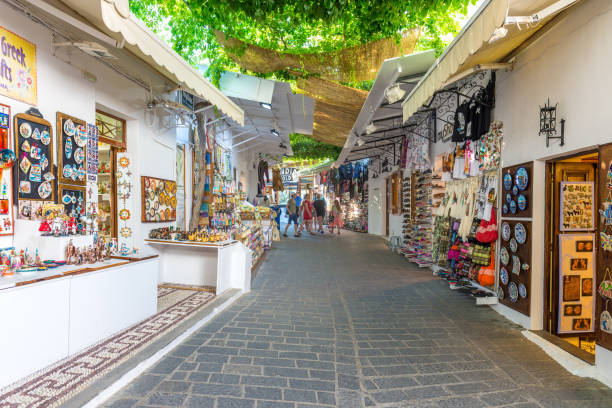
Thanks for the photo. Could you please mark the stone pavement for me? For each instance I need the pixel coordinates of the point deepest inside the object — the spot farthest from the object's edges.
(341, 321)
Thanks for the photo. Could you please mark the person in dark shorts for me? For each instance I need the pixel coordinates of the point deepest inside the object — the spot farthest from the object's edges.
(293, 217)
(319, 206)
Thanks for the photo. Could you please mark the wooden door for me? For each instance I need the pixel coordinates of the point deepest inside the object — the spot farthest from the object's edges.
(559, 172)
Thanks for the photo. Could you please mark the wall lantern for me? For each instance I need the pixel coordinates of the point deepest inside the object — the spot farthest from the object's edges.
(548, 123)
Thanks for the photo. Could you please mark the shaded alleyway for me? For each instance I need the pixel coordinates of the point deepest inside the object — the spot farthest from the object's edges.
(340, 321)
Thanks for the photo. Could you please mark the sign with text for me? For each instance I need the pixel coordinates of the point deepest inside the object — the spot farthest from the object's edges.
(289, 175)
(17, 67)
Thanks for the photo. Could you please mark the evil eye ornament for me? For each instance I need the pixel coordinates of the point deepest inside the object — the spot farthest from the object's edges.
(66, 199)
(515, 190)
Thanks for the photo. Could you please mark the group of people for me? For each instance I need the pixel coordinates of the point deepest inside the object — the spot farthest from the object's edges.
(304, 213)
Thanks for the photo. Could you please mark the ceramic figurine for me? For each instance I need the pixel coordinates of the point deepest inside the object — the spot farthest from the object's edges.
(44, 228)
(72, 226)
(68, 252)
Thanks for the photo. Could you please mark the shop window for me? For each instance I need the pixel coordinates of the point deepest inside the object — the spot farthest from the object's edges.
(111, 129)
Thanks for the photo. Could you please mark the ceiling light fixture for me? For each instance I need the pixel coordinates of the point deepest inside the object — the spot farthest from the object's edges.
(275, 132)
(394, 93)
(370, 128)
(266, 105)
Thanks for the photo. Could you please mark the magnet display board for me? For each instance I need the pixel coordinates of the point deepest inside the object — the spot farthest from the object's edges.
(73, 198)
(71, 149)
(576, 206)
(576, 279)
(34, 150)
(158, 199)
(6, 179)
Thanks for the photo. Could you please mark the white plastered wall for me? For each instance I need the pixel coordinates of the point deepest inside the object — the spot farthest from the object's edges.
(570, 65)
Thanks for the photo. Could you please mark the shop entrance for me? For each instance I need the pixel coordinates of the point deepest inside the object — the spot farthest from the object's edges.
(111, 140)
(570, 264)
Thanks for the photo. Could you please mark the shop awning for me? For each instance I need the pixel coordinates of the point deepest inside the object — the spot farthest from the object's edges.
(113, 17)
(496, 30)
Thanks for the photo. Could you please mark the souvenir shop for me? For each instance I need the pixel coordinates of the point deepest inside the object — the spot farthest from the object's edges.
(525, 205)
(98, 172)
(349, 184)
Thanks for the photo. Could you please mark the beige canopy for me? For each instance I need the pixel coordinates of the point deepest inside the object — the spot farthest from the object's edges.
(488, 38)
(113, 17)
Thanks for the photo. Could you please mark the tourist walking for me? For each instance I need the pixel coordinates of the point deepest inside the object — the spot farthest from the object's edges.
(298, 205)
(319, 206)
(336, 216)
(307, 214)
(293, 217)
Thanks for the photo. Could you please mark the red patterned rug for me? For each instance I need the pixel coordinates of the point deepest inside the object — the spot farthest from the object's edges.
(59, 382)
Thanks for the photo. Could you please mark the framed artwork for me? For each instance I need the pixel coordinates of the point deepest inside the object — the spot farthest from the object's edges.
(71, 150)
(158, 199)
(73, 198)
(576, 206)
(576, 272)
(34, 150)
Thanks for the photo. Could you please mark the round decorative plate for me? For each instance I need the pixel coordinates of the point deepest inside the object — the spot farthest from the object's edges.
(520, 233)
(513, 245)
(503, 276)
(67, 172)
(513, 207)
(147, 204)
(513, 292)
(147, 181)
(173, 202)
(168, 187)
(80, 138)
(506, 231)
(162, 199)
(79, 155)
(504, 256)
(500, 293)
(522, 178)
(68, 148)
(124, 214)
(25, 130)
(69, 128)
(124, 162)
(516, 265)
(36, 134)
(45, 137)
(515, 190)
(508, 181)
(126, 232)
(522, 202)
(508, 197)
(167, 213)
(522, 290)
(44, 190)
(161, 185)
(505, 208)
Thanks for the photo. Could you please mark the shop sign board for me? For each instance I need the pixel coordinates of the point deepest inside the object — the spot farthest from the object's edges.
(289, 175)
(576, 273)
(17, 67)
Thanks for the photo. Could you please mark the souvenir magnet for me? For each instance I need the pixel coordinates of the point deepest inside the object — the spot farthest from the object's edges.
(25, 187)
(69, 128)
(25, 164)
(25, 130)
(36, 134)
(25, 146)
(45, 137)
(68, 148)
(35, 173)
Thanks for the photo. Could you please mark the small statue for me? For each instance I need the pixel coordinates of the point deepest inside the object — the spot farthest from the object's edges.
(44, 228)
(69, 252)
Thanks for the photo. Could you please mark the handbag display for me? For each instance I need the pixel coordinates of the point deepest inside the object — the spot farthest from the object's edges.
(487, 232)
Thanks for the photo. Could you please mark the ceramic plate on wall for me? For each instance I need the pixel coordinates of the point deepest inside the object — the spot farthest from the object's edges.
(522, 178)
(513, 245)
(503, 276)
(504, 256)
(513, 292)
(520, 233)
(522, 290)
(508, 181)
(522, 202)
(506, 231)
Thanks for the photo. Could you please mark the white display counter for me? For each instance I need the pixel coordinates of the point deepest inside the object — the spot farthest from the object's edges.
(223, 265)
(47, 316)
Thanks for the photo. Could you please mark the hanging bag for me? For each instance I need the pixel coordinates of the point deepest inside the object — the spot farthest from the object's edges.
(487, 232)
(486, 275)
(605, 287)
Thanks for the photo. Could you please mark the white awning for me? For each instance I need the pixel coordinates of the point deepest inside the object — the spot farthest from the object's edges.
(496, 30)
(113, 17)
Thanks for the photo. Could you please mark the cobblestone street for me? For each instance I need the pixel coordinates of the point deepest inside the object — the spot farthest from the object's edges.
(341, 321)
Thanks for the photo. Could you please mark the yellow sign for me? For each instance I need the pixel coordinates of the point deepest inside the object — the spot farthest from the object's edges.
(17, 67)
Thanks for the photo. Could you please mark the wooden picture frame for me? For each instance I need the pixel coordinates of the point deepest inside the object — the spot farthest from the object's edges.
(62, 160)
(528, 192)
(522, 305)
(157, 207)
(63, 188)
(19, 175)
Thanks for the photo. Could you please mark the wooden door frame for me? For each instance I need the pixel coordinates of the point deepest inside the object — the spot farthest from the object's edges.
(549, 235)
